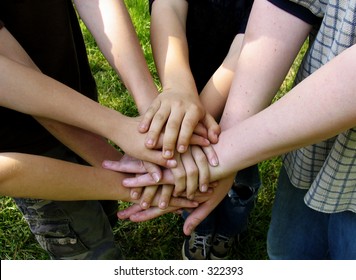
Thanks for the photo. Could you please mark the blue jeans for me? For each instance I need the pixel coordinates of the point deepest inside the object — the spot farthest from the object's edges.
(72, 229)
(230, 217)
(299, 232)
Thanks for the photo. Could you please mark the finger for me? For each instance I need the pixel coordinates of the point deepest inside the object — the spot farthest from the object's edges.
(205, 208)
(211, 155)
(197, 216)
(187, 127)
(127, 164)
(135, 193)
(171, 133)
(147, 196)
(179, 177)
(154, 170)
(199, 140)
(156, 157)
(158, 122)
(213, 128)
(145, 123)
(129, 211)
(201, 130)
(192, 175)
(151, 213)
(147, 180)
(182, 202)
(203, 168)
(166, 194)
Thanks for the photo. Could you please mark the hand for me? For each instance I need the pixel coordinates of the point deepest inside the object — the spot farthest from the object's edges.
(133, 144)
(174, 202)
(192, 171)
(205, 208)
(136, 214)
(177, 112)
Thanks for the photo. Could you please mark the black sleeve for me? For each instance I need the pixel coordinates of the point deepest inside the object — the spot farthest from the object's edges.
(150, 2)
(1, 24)
(296, 10)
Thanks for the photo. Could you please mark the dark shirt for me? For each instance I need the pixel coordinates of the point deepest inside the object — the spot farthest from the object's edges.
(297, 10)
(49, 32)
(211, 27)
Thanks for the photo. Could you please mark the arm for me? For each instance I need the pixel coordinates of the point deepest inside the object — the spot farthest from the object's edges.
(110, 24)
(178, 106)
(215, 92)
(23, 175)
(25, 89)
(269, 48)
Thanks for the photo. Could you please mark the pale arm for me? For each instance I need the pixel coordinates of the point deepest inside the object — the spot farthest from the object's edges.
(178, 108)
(216, 91)
(25, 89)
(29, 176)
(319, 108)
(110, 24)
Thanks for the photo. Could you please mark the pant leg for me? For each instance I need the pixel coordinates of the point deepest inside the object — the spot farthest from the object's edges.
(236, 207)
(207, 226)
(296, 231)
(342, 232)
(72, 229)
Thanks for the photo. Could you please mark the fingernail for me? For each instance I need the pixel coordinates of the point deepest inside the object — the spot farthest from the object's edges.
(171, 163)
(163, 204)
(149, 142)
(142, 126)
(126, 182)
(204, 188)
(215, 162)
(155, 177)
(121, 214)
(168, 154)
(134, 195)
(181, 149)
(106, 163)
(144, 205)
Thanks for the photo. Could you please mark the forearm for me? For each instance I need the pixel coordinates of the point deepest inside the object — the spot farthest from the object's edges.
(111, 26)
(28, 91)
(169, 45)
(216, 91)
(319, 108)
(272, 40)
(31, 176)
(93, 148)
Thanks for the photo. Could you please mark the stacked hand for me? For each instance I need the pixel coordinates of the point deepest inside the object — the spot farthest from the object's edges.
(179, 129)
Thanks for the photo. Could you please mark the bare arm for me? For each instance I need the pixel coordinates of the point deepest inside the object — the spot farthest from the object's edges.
(25, 89)
(216, 91)
(320, 107)
(111, 26)
(178, 108)
(29, 176)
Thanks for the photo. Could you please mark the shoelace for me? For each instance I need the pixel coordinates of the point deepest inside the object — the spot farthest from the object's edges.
(201, 241)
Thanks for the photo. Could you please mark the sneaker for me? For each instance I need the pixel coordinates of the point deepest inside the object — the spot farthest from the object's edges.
(221, 247)
(196, 247)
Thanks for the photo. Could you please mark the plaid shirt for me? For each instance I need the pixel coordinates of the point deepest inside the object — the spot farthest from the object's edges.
(327, 169)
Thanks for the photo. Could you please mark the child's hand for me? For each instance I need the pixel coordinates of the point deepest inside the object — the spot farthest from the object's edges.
(136, 214)
(177, 113)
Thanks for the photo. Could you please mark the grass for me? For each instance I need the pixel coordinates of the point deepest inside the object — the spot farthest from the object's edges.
(160, 238)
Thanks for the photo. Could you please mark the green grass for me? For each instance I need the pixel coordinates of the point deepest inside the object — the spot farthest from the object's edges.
(160, 238)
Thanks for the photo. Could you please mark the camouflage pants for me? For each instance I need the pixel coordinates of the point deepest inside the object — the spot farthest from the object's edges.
(72, 229)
